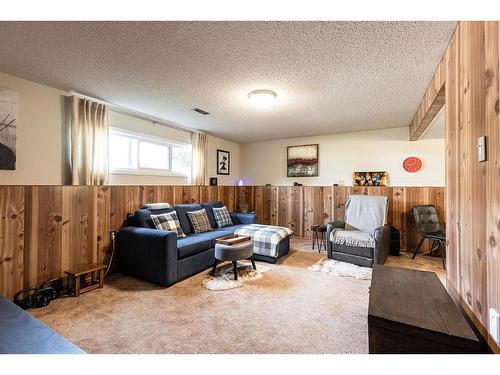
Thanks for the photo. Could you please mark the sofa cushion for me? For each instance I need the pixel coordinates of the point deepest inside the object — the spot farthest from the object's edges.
(366, 252)
(222, 217)
(168, 221)
(182, 210)
(209, 207)
(192, 245)
(197, 243)
(199, 221)
(143, 216)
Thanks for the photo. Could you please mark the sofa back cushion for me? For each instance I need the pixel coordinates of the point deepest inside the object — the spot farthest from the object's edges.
(182, 210)
(209, 206)
(143, 216)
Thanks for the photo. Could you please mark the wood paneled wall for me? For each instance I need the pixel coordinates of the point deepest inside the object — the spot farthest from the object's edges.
(471, 68)
(48, 229)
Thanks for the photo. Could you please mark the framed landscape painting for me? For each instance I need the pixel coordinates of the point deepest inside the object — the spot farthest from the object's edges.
(302, 161)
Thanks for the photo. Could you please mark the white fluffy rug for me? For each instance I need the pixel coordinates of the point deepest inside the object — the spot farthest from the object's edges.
(224, 276)
(337, 268)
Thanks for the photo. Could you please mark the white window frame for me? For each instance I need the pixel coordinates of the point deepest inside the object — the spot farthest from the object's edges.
(150, 139)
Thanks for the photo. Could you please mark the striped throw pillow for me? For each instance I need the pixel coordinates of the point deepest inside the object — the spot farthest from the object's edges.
(168, 221)
(199, 221)
(222, 217)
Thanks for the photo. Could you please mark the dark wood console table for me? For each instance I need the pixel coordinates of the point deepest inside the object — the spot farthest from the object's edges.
(411, 312)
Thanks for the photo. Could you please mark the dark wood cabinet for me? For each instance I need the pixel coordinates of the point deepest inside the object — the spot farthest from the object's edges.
(411, 312)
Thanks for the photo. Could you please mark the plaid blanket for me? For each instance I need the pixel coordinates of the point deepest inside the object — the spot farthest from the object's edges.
(266, 238)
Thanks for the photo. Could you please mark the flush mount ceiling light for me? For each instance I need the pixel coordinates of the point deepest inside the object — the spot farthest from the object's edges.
(262, 98)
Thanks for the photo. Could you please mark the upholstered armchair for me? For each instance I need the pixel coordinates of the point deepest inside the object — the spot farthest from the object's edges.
(364, 237)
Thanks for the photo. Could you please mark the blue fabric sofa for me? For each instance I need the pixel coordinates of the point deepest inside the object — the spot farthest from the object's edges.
(159, 256)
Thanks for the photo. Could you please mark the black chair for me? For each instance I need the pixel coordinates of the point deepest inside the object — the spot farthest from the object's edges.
(428, 227)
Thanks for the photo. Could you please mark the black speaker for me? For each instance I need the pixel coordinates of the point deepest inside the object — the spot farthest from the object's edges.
(395, 242)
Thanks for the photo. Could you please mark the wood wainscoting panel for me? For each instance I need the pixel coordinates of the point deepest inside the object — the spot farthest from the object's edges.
(472, 196)
(245, 194)
(227, 195)
(102, 224)
(452, 158)
(262, 204)
(186, 195)
(473, 173)
(492, 122)
(78, 242)
(43, 228)
(11, 239)
(290, 208)
(53, 228)
(208, 193)
(313, 208)
(124, 199)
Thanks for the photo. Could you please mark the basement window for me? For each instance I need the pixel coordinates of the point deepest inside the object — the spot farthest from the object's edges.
(135, 153)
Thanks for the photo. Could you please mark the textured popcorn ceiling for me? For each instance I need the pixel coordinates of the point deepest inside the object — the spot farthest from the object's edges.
(330, 77)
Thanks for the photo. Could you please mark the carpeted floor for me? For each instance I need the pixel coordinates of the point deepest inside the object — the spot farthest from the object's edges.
(289, 310)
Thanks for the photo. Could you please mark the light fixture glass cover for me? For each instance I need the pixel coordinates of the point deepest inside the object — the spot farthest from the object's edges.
(262, 98)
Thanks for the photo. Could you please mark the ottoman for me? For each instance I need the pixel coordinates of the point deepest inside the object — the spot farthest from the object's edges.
(233, 253)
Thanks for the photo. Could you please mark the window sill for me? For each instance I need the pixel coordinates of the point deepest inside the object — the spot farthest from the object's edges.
(133, 172)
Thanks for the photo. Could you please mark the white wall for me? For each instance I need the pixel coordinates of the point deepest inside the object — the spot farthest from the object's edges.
(39, 147)
(215, 144)
(342, 154)
(42, 140)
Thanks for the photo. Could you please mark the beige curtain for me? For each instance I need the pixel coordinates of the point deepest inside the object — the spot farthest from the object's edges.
(89, 142)
(200, 153)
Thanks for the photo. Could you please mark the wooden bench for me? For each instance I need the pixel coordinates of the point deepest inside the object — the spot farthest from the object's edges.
(411, 312)
(93, 273)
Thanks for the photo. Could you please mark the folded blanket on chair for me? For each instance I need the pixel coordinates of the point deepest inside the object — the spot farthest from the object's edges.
(366, 212)
(352, 238)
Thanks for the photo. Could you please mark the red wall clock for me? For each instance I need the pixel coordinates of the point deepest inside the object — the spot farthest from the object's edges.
(412, 164)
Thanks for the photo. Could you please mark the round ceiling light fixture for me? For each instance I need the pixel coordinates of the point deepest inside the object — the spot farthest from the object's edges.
(262, 98)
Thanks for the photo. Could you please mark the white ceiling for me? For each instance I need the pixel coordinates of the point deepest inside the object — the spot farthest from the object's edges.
(330, 77)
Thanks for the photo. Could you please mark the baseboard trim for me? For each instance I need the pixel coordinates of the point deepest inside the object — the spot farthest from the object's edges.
(492, 345)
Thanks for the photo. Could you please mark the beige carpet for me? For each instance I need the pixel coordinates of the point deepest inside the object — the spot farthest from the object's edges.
(290, 310)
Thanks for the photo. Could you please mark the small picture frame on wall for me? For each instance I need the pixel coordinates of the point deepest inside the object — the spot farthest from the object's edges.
(223, 162)
(213, 181)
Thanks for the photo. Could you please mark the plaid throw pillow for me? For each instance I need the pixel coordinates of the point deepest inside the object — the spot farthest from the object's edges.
(168, 221)
(199, 221)
(222, 217)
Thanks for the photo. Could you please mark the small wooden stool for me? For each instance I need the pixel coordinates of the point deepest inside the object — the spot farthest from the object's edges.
(92, 275)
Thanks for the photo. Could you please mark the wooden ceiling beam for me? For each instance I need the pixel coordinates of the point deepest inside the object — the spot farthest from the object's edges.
(431, 103)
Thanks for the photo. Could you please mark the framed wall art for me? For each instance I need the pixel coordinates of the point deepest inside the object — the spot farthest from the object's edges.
(302, 161)
(8, 128)
(223, 162)
(369, 178)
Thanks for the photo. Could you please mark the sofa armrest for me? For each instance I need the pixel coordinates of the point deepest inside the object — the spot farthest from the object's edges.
(382, 237)
(329, 229)
(149, 254)
(242, 218)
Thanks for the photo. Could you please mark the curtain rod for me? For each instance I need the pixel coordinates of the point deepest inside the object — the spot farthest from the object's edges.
(137, 114)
